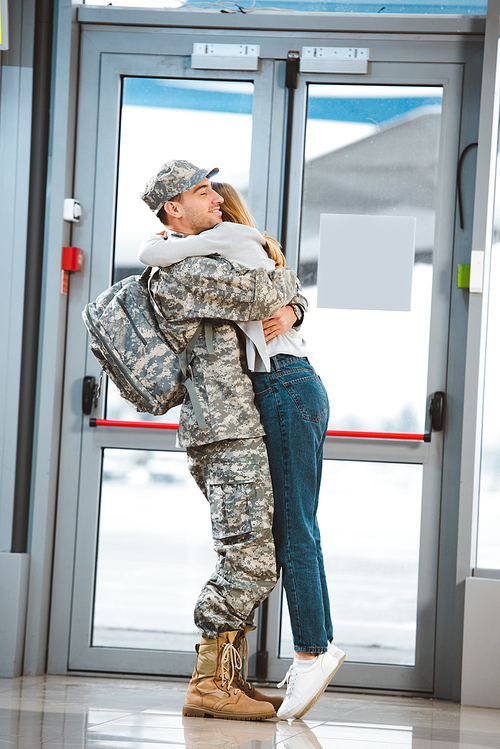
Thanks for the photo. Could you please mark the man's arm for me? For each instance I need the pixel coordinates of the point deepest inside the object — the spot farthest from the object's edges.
(218, 288)
(285, 318)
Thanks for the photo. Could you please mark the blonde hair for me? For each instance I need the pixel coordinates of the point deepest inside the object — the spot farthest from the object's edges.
(235, 211)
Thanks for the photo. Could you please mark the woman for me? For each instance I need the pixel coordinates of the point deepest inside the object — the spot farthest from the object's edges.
(294, 409)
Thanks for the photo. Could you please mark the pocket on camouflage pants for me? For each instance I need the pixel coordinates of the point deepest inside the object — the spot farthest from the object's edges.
(231, 498)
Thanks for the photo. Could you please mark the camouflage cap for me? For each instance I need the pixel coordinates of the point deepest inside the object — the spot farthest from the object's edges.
(171, 179)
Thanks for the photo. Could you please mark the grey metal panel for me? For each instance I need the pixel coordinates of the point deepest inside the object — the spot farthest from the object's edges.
(441, 332)
(277, 666)
(350, 22)
(489, 574)
(15, 107)
(128, 438)
(296, 171)
(158, 662)
(381, 451)
(274, 46)
(449, 610)
(96, 169)
(262, 111)
(51, 360)
(276, 160)
(79, 361)
(15, 139)
(71, 411)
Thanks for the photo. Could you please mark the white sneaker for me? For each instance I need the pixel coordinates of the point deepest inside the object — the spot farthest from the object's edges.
(336, 652)
(306, 685)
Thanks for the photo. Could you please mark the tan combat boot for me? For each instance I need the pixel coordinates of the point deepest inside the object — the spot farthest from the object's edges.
(211, 691)
(241, 678)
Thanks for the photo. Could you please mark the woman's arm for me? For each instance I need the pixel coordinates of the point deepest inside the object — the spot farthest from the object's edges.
(153, 250)
(162, 252)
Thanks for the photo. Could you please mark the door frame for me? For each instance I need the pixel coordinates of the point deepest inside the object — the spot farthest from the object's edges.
(112, 41)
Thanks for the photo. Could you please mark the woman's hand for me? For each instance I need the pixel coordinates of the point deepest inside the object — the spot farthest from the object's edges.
(279, 323)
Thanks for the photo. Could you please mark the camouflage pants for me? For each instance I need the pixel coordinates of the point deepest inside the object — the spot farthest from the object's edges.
(234, 477)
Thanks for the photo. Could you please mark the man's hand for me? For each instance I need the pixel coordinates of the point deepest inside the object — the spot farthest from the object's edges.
(279, 323)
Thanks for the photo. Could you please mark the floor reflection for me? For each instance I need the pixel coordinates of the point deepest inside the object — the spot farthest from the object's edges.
(58, 712)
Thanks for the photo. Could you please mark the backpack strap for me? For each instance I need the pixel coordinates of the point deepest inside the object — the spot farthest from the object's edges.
(185, 356)
(184, 360)
(209, 339)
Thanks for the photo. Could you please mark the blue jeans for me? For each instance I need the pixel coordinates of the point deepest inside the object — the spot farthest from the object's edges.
(294, 409)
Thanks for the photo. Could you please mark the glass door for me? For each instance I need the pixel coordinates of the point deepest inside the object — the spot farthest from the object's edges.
(143, 542)
(375, 149)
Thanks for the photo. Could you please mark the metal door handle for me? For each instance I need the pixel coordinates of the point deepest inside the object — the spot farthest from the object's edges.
(90, 394)
(437, 409)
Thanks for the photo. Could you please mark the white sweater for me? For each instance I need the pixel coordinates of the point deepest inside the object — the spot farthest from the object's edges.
(240, 243)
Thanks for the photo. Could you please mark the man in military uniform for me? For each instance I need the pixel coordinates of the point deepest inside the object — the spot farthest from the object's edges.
(226, 453)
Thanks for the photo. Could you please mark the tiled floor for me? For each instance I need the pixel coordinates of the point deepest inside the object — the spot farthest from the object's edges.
(57, 712)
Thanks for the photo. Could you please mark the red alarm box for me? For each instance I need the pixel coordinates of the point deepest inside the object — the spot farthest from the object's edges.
(71, 262)
(72, 259)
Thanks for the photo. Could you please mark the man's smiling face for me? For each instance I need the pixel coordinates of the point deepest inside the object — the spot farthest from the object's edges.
(199, 208)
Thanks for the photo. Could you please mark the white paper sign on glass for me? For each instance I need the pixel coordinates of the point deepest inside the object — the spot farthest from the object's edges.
(366, 262)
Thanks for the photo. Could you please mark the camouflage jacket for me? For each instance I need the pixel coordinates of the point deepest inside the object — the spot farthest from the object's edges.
(223, 291)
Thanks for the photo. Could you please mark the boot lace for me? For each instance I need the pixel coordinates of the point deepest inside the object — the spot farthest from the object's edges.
(230, 665)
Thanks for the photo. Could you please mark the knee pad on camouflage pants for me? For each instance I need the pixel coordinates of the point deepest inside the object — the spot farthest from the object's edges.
(234, 476)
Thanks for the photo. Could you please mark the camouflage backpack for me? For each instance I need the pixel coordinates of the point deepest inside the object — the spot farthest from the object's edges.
(131, 349)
